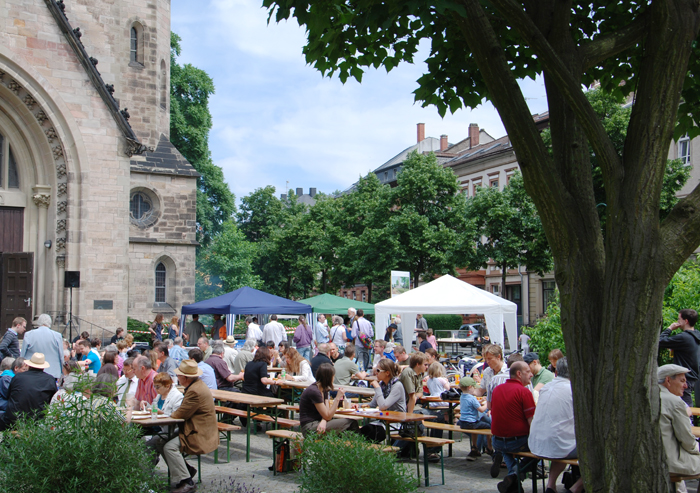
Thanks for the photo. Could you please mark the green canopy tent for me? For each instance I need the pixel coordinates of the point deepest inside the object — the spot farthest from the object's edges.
(328, 303)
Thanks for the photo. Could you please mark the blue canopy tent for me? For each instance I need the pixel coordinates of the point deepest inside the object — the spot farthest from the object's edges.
(244, 301)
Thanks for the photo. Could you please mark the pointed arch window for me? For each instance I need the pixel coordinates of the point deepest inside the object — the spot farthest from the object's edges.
(9, 175)
(160, 282)
(134, 45)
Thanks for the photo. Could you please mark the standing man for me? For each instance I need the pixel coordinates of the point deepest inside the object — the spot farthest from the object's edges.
(145, 392)
(253, 331)
(46, 341)
(421, 323)
(194, 330)
(216, 328)
(362, 329)
(512, 410)
(320, 331)
(203, 344)
(197, 435)
(9, 347)
(685, 349)
(274, 331)
(541, 375)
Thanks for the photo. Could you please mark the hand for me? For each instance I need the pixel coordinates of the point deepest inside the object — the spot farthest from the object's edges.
(341, 394)
(356, 407)
(289, 377)
(321, 426)
(674, 325)
(144, 406)
(374, 384)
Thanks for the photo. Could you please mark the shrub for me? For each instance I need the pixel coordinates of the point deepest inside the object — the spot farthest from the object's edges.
(444, 322)
(347, 463)
(80, 446)
(136, 325)
(546, 334)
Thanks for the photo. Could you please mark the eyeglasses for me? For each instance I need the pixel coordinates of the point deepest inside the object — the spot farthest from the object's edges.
(157, 386)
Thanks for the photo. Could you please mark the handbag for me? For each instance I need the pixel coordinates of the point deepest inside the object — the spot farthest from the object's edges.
(409, 430)
(451, 395)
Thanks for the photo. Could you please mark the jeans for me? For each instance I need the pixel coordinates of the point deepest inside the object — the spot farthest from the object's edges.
(506, 445)
(305, 352)
(363, 360)
(484, 423)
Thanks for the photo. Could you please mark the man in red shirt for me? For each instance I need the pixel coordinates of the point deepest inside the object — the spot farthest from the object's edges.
(145, 392)
(512, 409)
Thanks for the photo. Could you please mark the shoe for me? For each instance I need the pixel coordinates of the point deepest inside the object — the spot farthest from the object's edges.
(191, 470)
(473, 455)
(185, 486)
(509, 483)
(550, 490)
(433, 457)
(489, 452)
(496, 466)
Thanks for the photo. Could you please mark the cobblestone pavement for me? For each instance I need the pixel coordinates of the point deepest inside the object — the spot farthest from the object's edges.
(460, 475)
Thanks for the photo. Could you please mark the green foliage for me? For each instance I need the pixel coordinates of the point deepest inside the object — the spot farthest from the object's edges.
(347, 463)
(503, 226)
(259, 212)
(133, 325)
(682, 292)
(546, 334)
(81, 445)
(190, 123)
(444, 322)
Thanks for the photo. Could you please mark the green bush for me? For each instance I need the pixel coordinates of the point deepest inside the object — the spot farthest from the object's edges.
(132, 324)
(347, 463)
(546, 334)
(80, 446)
(444, 322)
(682, 292)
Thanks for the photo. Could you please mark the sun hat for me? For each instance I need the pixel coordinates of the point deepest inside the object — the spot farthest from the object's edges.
(38, 361)
(230, 340)
(189, 368)
(670, 370)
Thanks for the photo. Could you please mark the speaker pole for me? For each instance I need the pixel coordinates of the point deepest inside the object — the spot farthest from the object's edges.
(70, 317)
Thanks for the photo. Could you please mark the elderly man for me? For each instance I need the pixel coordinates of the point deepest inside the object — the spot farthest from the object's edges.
(127, 383)
(512, 410)
(552, 433)
(320, 358)
(46, 341)
(245, 356)
(682, 453)
(197, 435)
(224, 378)
(421, 323)
(178, 352)
(230, 352)
(208, 376)
(29, 392)
(274, 331)
(541, 376)
(145, 392)
(203, 345)
(321, 330)
(9, 347)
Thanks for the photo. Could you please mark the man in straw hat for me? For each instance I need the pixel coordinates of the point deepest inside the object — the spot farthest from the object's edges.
(29, 391)
(198, 434)
(230, 352)
(682, 453)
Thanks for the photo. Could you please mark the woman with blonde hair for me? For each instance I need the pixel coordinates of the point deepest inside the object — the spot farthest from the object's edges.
(298, 369)
(173, 330)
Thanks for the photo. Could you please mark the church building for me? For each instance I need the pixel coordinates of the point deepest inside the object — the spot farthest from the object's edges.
(90, 184)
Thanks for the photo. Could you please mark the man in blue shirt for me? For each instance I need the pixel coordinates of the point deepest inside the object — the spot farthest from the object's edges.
(91, 360)
(208, 376)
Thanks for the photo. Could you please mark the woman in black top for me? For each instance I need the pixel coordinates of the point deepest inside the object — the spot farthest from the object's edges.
(315, 414)
(255, 379)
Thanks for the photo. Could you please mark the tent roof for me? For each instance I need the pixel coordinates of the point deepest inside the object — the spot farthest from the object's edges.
(329, 303)
(246, 300)
(448, 294)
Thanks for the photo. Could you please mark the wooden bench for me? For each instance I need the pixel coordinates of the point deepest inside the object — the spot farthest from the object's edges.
(677, 478)
(283, 422)
(279, 439)
(429, 442)
(430, 425)
(538, 459)
(225, 430)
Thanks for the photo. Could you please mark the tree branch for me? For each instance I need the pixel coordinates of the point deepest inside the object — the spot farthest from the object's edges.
(604, 47)
(569, 88)
(680, 234)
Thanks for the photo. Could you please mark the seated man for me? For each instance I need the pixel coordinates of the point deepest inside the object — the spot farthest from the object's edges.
(541, 376)
(552, 432)
(401, 355)
(682, 454)
(224, 378)
(321, 357)
(208, 376)
(29, 392)
(345, 369)
(198, 434)
(422, 341)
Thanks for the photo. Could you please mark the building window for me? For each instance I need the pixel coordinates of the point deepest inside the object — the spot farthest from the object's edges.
(163, 86)
(134, 45)
(354, 296)
(493, 182)
(143, 208)
(136, 57)
(9, 175)
(475, 186)
(386, 176)
(364, 296)
(509, 174)
(160, 283)
(547, 294)
(684, 149)
(495, 289)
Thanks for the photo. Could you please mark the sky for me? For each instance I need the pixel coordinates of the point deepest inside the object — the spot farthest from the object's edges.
(277, 121)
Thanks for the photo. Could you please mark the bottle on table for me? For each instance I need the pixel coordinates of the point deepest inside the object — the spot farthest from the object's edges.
(154, 409)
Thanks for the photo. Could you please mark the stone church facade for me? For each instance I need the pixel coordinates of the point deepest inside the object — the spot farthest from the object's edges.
(89, 180)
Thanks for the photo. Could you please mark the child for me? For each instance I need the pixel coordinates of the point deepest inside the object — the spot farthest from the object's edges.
(437, 383)
(389, 351)
(473, 416)
(431, 338)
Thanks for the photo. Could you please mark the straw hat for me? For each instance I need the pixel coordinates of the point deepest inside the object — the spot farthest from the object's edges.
(38, 361)
(189, 368)
(230, 340)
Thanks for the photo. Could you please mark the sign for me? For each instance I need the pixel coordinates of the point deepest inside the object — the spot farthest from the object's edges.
(400, 282)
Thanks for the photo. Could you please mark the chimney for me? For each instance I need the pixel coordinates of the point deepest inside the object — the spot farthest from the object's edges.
(421, 132)
(473, 135)
(443, 143)
(312, 192)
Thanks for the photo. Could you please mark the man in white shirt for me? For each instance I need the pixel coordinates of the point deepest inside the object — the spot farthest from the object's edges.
(253, 331)
(127, 383)
(552, 432)
(274, 331)
(230, 352)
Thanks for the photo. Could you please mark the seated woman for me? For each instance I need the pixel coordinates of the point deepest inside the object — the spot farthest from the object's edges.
(168, 400)
(314, 412)
(109, 364)
(298, 369)
(389, 395)
(283, 347)
(255, 377)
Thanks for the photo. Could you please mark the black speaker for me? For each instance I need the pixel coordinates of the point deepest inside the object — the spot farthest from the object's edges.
(72, 279)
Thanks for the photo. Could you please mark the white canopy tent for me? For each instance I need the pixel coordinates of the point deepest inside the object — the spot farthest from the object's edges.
(449, 295)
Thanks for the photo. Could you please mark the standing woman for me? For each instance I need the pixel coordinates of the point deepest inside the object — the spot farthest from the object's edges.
(337, 333)
(173, 330)
(303, 336)
(156, 328)
(388, 396)
(315, 414)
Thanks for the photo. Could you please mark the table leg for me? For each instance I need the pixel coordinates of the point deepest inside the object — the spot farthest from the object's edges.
(388, 433)
(247, 434)
(451, 415)
(417, 446)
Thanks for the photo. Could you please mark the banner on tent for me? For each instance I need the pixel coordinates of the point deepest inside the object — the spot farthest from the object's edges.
(400, 282)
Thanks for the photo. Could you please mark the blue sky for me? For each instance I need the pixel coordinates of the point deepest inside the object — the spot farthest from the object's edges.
(277, 120)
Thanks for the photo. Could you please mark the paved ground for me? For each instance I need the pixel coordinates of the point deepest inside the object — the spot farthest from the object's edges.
(460, 475)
